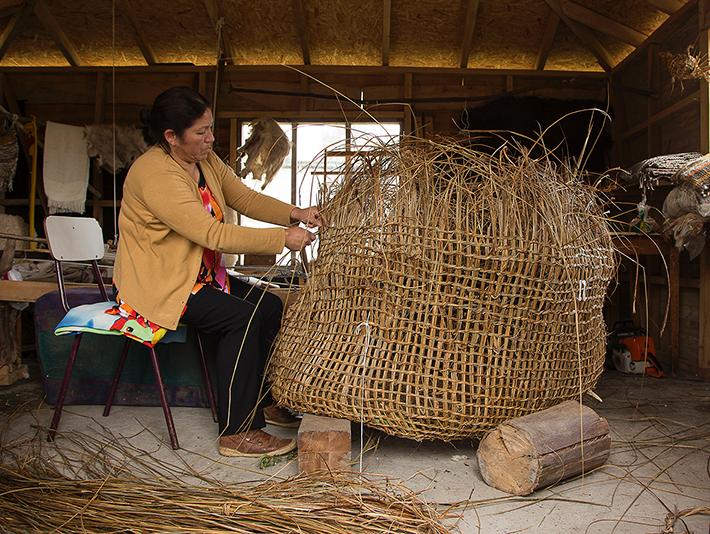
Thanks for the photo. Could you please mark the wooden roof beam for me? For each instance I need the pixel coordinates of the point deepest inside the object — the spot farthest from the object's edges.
(548, 37)
(299, 14)
(15, 25)
(214, 11)
(603, 24)
(386, 27)
(125, 7)
(667, 6)
(585, 35)
(469, 27)
(9, 11)
(60, 38)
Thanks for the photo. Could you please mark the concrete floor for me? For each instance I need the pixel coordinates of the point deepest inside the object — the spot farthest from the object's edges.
(660, 460)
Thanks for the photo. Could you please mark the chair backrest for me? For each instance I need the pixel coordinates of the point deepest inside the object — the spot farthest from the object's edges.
(74, 238)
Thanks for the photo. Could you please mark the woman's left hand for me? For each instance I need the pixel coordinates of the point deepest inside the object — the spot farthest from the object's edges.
(311, 217)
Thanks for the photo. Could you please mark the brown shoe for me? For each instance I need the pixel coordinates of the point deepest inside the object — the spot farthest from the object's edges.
(254, 443)
(278, 416)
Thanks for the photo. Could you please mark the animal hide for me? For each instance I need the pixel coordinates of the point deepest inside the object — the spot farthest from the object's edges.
(266, 149)
(688, 232)
(681, 200)
(129, 145)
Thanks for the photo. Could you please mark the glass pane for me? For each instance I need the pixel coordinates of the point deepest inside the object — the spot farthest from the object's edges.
(385, 132)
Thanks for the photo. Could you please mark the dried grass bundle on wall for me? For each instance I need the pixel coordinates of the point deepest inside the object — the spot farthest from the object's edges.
(453, 290)
(689, 65)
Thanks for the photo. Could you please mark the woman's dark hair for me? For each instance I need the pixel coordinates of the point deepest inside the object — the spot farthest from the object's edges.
(175, 109)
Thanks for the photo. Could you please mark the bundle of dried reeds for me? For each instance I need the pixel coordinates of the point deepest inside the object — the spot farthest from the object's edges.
(91, 484)
(689, 65)
(454, 290)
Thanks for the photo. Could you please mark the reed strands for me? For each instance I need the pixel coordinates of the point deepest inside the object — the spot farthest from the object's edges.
(481, 277)
(90, 484)
(672, 517)
(688, 65)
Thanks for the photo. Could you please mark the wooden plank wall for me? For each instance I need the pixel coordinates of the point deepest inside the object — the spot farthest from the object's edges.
(656, 115)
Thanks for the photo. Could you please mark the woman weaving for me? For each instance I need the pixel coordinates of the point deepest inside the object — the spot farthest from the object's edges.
(169, 266)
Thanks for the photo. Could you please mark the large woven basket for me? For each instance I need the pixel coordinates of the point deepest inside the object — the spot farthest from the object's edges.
(453, 290)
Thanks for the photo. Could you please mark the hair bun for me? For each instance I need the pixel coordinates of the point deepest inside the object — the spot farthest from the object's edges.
(145, 116)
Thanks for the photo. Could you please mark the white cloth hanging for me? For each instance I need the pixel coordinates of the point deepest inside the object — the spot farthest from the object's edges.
(65, 168)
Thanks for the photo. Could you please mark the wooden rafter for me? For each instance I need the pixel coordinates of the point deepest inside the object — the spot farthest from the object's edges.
(602, 23)
(667, 6)
(126, 8)
(386, 27)
(14, 26)
(214, 11)
(469, 27)
(60, 38)
(9, 11)
(585, 35)
(548, 37)
(299, 15)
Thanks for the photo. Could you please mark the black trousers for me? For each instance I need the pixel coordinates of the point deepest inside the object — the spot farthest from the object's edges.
(246, 322)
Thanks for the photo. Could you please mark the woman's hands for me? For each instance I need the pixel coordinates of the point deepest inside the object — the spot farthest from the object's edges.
(311, 217)
(298, 238)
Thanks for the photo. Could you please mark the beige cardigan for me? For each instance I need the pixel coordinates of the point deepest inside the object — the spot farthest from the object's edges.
(163, 229)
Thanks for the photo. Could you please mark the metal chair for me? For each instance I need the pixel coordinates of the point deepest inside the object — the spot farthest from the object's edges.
(81, 239)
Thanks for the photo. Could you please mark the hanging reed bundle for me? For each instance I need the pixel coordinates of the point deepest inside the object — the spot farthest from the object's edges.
(453, 290)
(688, 65)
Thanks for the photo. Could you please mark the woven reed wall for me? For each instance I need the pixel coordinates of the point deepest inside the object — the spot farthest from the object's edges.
(470, 272)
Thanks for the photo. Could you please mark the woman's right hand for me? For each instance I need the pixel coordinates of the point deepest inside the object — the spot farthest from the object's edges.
(298, 238)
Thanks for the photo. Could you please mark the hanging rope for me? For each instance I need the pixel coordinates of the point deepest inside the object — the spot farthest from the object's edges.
(113, 117)
(220, 24)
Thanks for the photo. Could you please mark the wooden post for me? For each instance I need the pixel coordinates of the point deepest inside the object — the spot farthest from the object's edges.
(233, 144)
(409, 124)
(11, 367)
(97, 174)
(704, 316)
(534, 451)
(674, 312)
(323, 445)
(704, 296)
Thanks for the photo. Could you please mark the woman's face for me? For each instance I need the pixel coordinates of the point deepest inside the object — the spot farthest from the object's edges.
(196, 141)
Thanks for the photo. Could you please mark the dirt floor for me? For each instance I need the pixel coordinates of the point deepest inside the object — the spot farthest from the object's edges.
(659, 464)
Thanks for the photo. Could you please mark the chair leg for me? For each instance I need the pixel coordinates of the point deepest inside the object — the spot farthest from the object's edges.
(163, 400)
(59, 405)
(208, 381)
(116, 378)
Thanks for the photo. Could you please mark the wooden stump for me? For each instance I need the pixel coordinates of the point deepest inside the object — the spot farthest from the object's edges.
(534, 451)
(324, 445)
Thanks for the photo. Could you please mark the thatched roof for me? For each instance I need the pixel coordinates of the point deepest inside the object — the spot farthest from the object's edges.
(582, 35)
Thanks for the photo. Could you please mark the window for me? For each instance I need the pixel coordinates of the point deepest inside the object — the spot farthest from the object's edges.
(300, 184)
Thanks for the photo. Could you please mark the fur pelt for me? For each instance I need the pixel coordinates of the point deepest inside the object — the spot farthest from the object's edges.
(129, 145)
(266, 148)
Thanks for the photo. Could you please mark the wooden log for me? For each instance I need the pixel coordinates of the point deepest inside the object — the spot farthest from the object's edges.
(324, 445)
(537, 450)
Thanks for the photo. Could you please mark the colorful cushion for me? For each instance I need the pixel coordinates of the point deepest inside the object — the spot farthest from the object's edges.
(105, 318)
